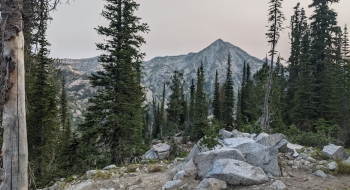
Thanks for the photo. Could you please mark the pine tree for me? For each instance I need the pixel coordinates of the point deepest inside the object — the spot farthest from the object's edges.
(113, 126)
(323, 31)
(228, 103)
(216, 99)
(303, 113)
(191, 113)
(345, 44)
(276, 19)
(200, 106)
(175, 108)
(162, 113)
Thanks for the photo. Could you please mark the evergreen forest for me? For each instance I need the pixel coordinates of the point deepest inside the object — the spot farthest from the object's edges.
(305, 96)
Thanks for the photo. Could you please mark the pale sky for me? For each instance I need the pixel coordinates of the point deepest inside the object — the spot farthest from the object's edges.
(178, 26)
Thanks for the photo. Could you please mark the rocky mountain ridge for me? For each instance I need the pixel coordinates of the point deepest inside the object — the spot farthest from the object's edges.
(157, 71)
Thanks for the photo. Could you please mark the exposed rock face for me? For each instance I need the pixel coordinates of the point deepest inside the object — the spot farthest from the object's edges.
(320, 173)
(278, 185)
(261, 156)
(110, 167)
(225, 134)
(234, 142)
(271, 140)
(332, 166)
(282, 146)
(335, 152)
(158, 151)
(171, 184)
(261, 135)
(203, 161)
(237, 172)
(237, 134)
(211, 184)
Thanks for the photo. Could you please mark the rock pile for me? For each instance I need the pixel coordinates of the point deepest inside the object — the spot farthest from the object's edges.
(247, 159)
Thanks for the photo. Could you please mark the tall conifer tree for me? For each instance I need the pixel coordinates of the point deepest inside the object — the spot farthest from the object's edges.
(113, 123)
(276, 18)
(216, 99)
(228, 104)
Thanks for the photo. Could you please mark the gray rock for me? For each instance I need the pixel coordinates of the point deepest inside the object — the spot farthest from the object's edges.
(270, 176)
(194, 151)
(332, 166)
(211, 184)
(180, 175)
(261, 156)
(190, 168)
(271, 140)
(310, 159)
(294, 147)
(347, 162)
(225, 134)
(246, 135)
(329, 176)
(162, 150)
(150, 155)
(91, 173)
(278, 185)
(320, 173)
(323, 162)
(282, 146)
(295, 154)
(304, 156)
(335, 152)
(203, 161)
(234, 142)
(171, 184)
(237, 172)
(237, 134)
(261, 135)
(319, 167)
(110, 167)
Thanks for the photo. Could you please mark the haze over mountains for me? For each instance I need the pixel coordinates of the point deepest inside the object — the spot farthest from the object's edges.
(159, 70)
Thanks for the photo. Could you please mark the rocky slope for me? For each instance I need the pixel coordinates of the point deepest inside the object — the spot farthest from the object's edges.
(243, 161)
(158, 70)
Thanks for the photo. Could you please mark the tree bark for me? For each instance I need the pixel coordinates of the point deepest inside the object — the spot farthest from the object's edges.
(15, 147)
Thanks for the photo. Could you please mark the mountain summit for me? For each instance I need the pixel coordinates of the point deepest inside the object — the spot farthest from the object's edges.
(214, 57)
(157, 71)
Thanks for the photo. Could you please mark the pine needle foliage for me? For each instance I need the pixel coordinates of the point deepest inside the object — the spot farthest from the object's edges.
(113, 128)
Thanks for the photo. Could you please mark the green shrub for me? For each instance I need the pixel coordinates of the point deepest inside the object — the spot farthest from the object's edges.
(102, 175)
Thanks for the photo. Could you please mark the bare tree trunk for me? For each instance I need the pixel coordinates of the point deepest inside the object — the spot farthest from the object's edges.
(15, 147)
(264, 120)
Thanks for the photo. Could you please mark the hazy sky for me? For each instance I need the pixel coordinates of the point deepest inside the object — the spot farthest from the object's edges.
(178, 26)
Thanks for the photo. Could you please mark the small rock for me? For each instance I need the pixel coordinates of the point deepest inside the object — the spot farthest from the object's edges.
(330, 176)
(304, 156)
(110, 167)
(310, 159)
(211, 184)
(278, 185)
(320, 173)
(332, 166)
(179, 175)
(171, 184)
(290, 163)
(319, 167)
(347, 162)
(90, 173)
(335, 152)
(270, 176)
(296, 154)
(322, 162)
(225, 134)
(237, 134)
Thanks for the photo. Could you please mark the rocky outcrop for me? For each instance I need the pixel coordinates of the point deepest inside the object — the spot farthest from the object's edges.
(261, 156)
(271, 140)
(225, 134)
(158, 151)
(335, 152)
(211, 184)
(237, 172)
(203, 161)
(234, 142)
